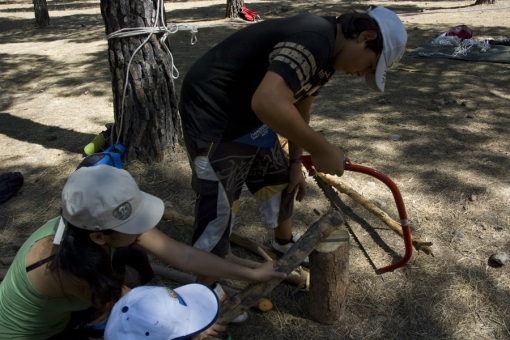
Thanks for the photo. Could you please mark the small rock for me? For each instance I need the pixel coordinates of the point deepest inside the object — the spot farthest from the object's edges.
(382, 101)
(498, 228)
(458, 234)
(463, 104)
(428, 218)
(481, 236)
(316, 211)
(472, 197)
(394, 137)
(82, 25)
(499, 259)
(380, 203)
(470, 115)
(483, 225)
(380, 318)
(86, 92)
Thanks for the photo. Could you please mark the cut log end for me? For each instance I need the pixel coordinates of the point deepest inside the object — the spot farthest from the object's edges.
(264, 305)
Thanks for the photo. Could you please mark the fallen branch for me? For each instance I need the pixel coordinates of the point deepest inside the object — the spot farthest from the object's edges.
(244, 242)
(380, 214)
(299, 277)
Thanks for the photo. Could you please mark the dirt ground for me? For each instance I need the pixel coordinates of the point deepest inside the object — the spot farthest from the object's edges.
(451, 161)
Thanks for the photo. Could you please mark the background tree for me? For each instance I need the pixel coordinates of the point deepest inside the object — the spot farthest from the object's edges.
(42, 18)
(149, 125)
(233, 7)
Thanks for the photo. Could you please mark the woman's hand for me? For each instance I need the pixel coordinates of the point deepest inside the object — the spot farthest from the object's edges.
(297, 182)
(210, 332)
(266, 272)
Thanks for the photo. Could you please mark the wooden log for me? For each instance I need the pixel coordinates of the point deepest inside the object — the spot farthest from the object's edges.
(329, 278)
(371, 207)
(289, 261)
(251, 245)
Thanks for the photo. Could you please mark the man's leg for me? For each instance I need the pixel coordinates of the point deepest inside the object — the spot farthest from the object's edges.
(268, 181)
(219, 171)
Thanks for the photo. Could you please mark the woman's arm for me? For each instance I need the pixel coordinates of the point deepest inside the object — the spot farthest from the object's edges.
(201, 262)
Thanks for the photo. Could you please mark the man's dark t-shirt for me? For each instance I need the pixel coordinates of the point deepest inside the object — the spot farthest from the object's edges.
(216, 94)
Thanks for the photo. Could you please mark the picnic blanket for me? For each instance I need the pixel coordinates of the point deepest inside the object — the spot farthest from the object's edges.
(474, 49)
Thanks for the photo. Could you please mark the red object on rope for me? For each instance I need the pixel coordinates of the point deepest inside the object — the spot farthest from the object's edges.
(408, 240)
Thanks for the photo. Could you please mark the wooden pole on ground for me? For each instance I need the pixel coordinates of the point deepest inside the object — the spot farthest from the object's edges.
(289, 261)
(329, 278)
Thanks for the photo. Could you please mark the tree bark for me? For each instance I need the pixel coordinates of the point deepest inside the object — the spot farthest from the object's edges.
(329, 278)
(42, 18)
(149, 126)
(233, 7)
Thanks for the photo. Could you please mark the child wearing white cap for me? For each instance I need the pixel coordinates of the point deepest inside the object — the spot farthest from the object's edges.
(65, 273)
(161, 313)
(259, 82)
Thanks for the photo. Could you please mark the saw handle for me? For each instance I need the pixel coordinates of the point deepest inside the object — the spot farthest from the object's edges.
(406, 230)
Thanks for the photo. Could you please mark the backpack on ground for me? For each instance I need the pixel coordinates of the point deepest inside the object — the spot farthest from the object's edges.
(110, 156)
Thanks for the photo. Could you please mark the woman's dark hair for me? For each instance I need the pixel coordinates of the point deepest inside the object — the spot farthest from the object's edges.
(353, 24)
(86, 260)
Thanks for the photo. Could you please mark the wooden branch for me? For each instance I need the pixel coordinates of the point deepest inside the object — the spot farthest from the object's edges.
(299, 277)
(380, 214)
(289, 261)
(172, 215)
(251, 245)
(237, 239)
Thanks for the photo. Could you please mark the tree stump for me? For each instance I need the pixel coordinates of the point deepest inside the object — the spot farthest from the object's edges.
(292, 259)
(329, 278)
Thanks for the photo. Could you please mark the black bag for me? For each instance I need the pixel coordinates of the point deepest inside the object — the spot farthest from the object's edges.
(10, 183)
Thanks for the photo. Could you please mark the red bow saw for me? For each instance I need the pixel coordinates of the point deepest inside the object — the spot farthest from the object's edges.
(408, 240)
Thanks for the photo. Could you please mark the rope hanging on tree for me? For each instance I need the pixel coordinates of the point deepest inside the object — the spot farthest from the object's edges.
(158, 27)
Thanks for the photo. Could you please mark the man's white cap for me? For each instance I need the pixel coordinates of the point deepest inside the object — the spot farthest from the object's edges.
(161, 313)
(394, 44)
(104, 197)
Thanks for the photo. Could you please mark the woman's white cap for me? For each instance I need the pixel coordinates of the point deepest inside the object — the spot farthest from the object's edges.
(103, 197)
(394, 45)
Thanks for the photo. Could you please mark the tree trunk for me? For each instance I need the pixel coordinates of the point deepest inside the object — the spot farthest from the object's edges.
(42, 18)
(329, 278)
(149, 125)
(485, 2)
(233, 7)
